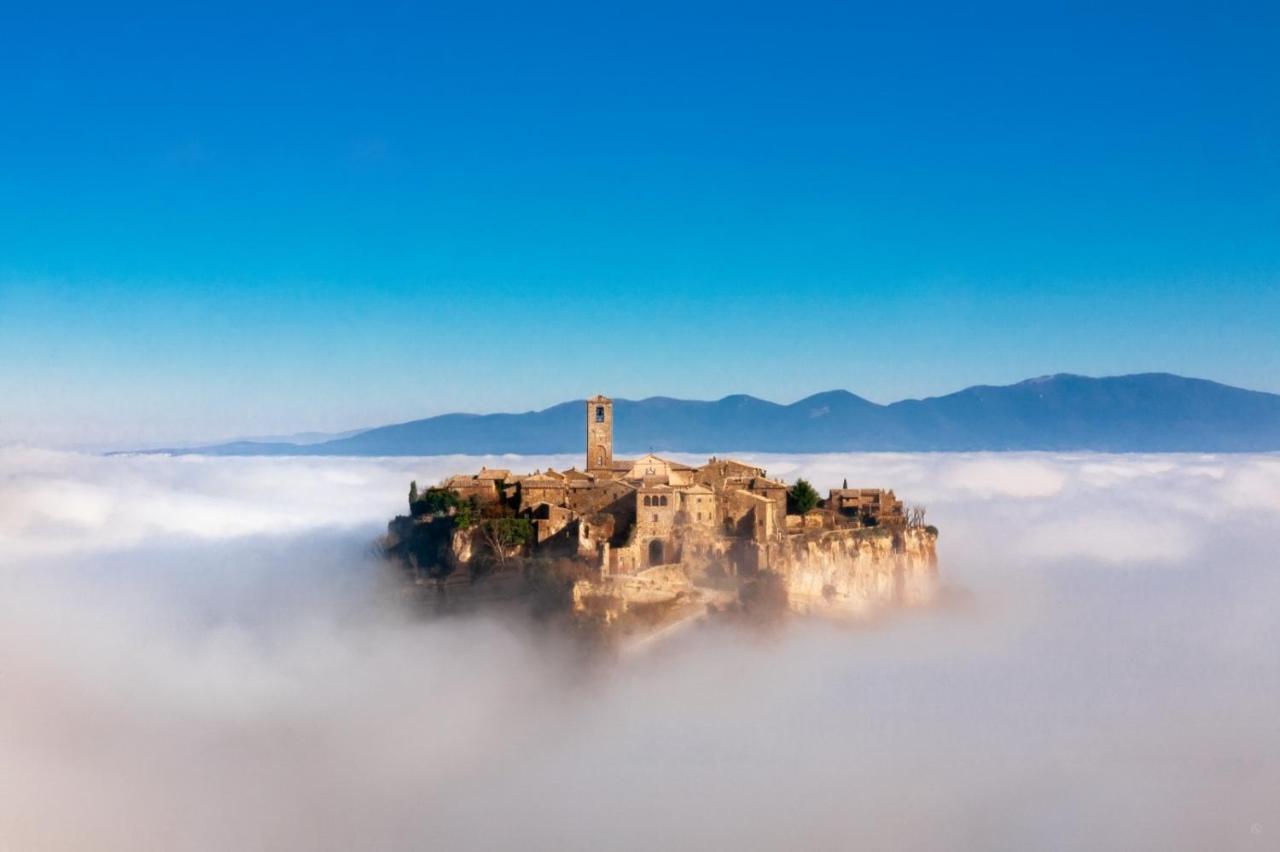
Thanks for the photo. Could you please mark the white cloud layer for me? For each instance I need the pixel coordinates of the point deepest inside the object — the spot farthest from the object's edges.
(196, 654)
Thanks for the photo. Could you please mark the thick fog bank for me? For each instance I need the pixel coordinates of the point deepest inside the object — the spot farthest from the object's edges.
(199, 654)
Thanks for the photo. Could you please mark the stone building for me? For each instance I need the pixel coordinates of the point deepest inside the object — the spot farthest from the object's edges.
(484, 485)
(626, 516)
(863, 502)
(599, 434)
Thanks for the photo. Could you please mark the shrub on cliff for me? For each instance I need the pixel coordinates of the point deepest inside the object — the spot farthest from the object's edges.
(433, 501)
(466, 514)
(508, 532)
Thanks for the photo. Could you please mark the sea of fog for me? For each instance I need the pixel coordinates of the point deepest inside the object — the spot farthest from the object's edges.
(201, 654)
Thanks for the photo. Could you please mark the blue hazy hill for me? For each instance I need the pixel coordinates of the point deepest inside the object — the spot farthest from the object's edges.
(1150, 412)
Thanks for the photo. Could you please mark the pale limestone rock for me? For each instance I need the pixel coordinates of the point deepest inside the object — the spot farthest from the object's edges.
(855, 573)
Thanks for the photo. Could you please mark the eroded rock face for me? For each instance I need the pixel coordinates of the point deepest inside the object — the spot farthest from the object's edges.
(840, 572)
(462, 545)
(843, 572)
(614, 595)
(857, 572)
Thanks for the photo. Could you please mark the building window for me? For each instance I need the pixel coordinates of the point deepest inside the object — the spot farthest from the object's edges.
(655, 519)
(599, 413)
(647, 501)
(662, 501)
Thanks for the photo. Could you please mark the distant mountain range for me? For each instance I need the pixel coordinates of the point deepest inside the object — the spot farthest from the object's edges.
(1150, 412)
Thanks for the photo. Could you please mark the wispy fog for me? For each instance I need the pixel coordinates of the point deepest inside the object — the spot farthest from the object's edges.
(198, 654)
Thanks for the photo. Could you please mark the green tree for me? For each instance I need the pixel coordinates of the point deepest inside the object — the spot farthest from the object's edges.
(502, 534)
(436, 501)
(801, 498)
(466, 513)
(510, 532)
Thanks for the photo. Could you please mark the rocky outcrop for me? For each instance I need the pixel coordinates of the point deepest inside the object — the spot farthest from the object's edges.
(838, 572)
(615, 595)
(859, 571)
(821, 570)
(462, 544)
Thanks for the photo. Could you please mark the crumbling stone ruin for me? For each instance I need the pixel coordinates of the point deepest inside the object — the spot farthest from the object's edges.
(637, 532)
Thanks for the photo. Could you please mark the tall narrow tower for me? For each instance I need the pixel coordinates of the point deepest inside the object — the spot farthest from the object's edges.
(599, 433)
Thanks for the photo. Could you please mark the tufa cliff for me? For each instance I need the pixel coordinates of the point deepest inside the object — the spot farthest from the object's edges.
(638, 545)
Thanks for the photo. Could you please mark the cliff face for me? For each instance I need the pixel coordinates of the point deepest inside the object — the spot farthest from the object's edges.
(840, 572)
(856, 572)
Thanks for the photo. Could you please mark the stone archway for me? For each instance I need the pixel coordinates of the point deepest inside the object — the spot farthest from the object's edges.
(655, 552)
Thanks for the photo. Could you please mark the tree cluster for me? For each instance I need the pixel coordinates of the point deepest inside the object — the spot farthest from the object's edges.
(433, 501)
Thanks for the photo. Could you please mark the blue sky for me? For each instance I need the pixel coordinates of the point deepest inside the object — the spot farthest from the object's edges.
(219, 221)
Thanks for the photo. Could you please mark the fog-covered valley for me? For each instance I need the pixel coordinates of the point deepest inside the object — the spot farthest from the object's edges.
(201, 653)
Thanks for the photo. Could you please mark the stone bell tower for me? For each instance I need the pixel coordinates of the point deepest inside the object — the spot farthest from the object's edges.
(599, 433)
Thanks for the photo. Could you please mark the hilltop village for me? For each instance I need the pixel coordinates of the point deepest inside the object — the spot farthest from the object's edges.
(651, 534)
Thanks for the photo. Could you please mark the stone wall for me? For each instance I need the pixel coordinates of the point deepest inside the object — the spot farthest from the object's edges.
(601, 497)
(549, 520)
(698, 509)
(539, 490)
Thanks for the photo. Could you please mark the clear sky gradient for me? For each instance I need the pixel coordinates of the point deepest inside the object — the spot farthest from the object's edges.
(220, 221)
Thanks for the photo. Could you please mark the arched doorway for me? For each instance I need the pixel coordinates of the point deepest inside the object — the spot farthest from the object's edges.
(655, 552)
